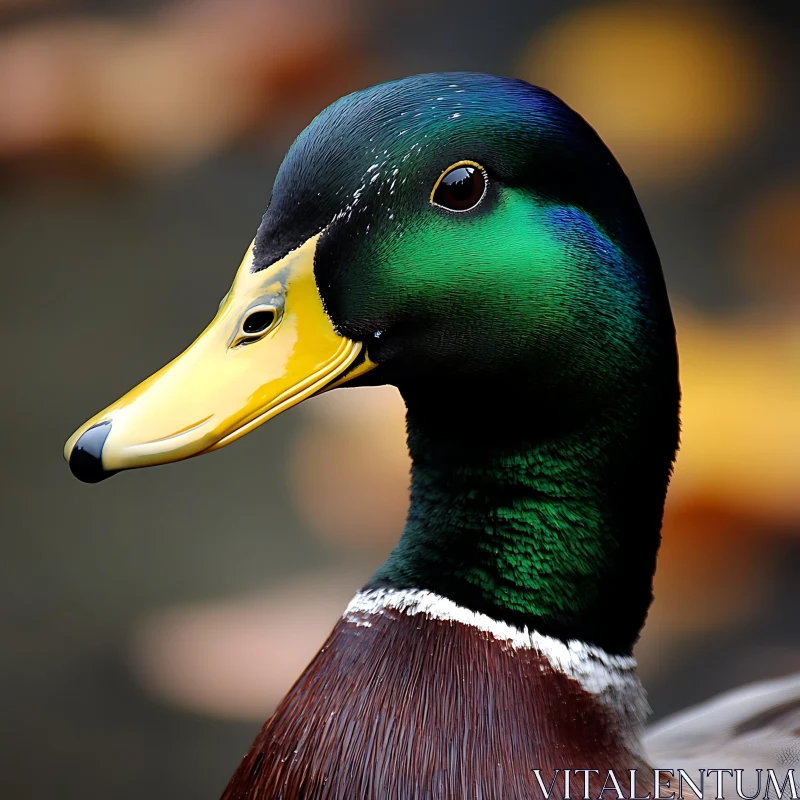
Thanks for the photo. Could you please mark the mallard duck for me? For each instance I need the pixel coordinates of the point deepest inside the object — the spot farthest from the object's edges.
(472, 241)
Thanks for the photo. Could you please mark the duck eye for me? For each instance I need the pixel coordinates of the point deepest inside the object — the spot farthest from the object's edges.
(461, 187)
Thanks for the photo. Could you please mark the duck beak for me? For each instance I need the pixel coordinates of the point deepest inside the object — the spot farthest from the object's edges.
(270, 346)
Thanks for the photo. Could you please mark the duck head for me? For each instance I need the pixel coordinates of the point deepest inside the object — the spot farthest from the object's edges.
(466, 234)
(471, 240)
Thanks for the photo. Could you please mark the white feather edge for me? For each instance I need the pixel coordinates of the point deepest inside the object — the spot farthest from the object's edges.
(596, 670)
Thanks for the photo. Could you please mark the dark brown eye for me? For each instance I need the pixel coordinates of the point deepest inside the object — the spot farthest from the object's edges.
(460, 188)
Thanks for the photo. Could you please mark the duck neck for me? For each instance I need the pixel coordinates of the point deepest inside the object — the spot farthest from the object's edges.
(557, 533)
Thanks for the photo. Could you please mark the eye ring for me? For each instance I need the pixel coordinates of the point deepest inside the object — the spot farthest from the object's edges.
(463, 194)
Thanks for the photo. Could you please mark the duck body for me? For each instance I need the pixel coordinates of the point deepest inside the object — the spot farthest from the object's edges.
(472, 241)
(415, 697)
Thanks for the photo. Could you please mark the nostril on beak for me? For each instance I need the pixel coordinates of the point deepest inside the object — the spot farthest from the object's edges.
(259, 321)
(86, 458)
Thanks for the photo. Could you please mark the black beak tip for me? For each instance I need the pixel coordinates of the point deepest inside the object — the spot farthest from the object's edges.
(86, 458)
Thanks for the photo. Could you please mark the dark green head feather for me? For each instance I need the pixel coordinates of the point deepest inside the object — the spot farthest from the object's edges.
(531, 338)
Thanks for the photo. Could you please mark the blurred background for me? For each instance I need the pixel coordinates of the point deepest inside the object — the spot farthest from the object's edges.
(148, 625)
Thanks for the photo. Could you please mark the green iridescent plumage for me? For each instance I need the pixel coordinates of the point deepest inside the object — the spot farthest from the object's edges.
(531, 339)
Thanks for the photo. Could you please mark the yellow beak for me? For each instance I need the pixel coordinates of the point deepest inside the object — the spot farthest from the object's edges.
(270, 346)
